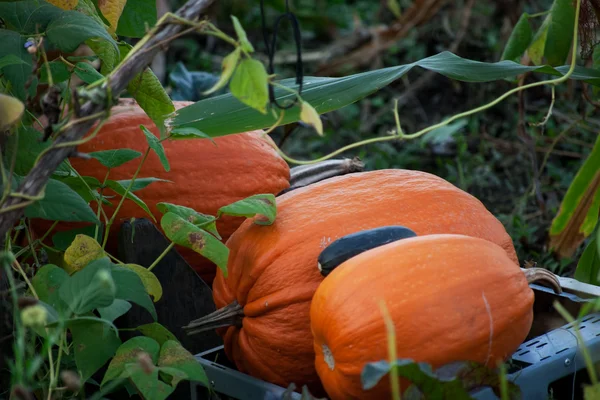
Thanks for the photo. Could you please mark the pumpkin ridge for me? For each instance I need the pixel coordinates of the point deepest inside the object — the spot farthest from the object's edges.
(275, 301)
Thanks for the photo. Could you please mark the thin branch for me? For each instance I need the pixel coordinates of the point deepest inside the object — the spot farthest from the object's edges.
(35, 182)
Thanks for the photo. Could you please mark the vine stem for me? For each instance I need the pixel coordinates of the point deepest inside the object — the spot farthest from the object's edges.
(163, 254)
(400, 135)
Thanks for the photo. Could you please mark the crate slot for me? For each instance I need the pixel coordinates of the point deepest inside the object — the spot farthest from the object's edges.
(543, 358)
(523, 353)
(532, 343)
(541, 345)
(560, 351)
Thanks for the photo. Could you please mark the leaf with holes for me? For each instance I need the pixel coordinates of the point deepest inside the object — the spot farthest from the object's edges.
(263, 205)
(186, 234)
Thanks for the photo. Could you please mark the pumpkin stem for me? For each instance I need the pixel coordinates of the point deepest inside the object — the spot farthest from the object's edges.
(305, 175)
(543, 275)
(230, 315)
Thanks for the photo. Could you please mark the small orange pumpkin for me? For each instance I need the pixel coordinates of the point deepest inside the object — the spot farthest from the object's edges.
(451, 298)
(272, 270)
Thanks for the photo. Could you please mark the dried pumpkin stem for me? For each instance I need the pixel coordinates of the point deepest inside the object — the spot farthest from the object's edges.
(230, 315)
(542, 275)
(305, 175)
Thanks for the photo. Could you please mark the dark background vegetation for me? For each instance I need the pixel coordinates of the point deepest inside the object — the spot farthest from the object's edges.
(520, 174)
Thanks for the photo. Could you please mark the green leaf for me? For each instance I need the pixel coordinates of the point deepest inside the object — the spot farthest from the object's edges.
(591, 392)
(598, 240)
(141, 183)
(117, 187)
(10, 59)
(147, 382)
(87, 73)
(578, 213)
(68, 30)
(128, 353)
(30, 16)
(186, 234)
(85, 186)
(137, 16)
(106, 52)
(204, 221)
(59, 70)
(224, 115)
(150, 281)
(90, 288)
(94, 343)
(62, 240)
(444, 133)
(61, 203)
(519, 39)
(130, 287)
(46, 283)
(261, 204)
(157, 147)
(115, 157)
(250, 84)
(17, 74)
(115, 310)
(189, 133)
(27, 142)
(227, 67)
(538, 45)
(588, 266)
(560, 32)
(241, 34)
(149, 93)
(173, 355)
(157, 332)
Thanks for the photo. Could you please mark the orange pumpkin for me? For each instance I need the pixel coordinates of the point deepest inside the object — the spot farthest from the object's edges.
(272, 270)
(204, 176)
(451, 298)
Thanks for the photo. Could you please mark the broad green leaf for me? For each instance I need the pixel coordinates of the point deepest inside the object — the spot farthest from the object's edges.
(11, 111)
(189, 133)
(560, 32)
(538, 45)
(147, 382)
(588, 266)
(241, 34)
(204, 221)
(172, 375)
(250, 84)
(519, 39)
(90, 288)
(224, 115)
(106, 52)
(117, 187)
(150, 281)
(186, 234)
(87, 73)
(141, 183)
(227, 67)
(131, 288)
(157, 147)
(16, 74)
(137, 16)
(30, 16)
(310, 116)
(82, 251)
(578, 213)
(61, 203)
(94, 343)
(10, 59)
(149, 93)
(71, 28)
(63, 240)
(115, 157)
(173, 355)
(261, 204)
(85, 187)
(46, 283)
(128, 353)
(157, 332)
(115, 310)
(58, 69)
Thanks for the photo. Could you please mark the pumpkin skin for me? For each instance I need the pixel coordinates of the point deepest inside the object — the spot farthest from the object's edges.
(273, 273)
(451, 298)
(204, 177)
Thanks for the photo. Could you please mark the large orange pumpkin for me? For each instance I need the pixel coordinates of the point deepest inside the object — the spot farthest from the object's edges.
(204, 176)
(451, 298)
(273, 270)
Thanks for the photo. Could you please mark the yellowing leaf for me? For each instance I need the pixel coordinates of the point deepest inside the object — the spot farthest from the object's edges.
(150, 281)
(537, 47)
(112, 10)
(64, 4)
(227, 68)
(311, 117)
(81, 252)
(11, 110)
